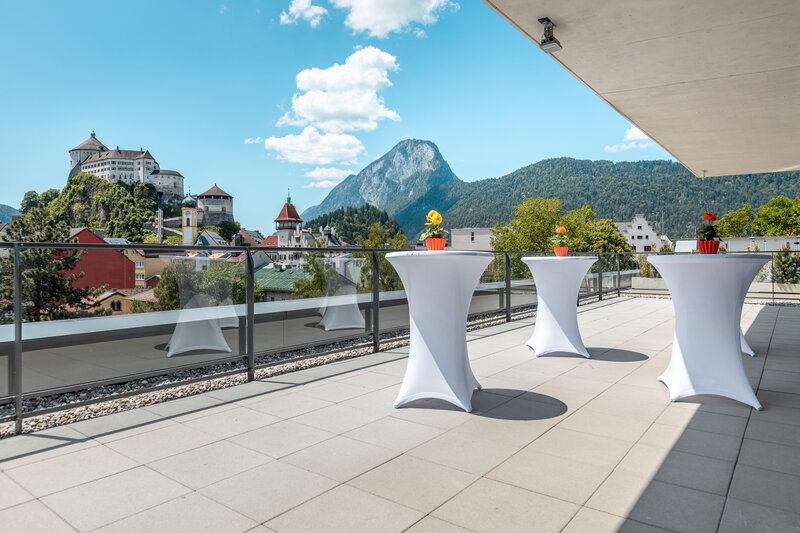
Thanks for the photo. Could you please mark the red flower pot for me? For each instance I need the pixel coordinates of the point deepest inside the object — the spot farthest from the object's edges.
(708, 247)
(561, 251)
(435, 243)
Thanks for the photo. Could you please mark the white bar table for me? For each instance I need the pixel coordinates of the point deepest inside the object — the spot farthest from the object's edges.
(558, 281)
(708, 294)
(439, 286)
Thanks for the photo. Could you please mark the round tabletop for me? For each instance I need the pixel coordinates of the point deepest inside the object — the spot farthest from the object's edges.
(438, 253)
(709, 258)
(592, 258)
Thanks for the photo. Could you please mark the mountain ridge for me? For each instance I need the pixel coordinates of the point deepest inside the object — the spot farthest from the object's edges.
(660, 189)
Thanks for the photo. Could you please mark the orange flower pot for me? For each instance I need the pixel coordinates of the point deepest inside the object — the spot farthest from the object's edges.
(561, 251)
(708, 247)
(435, 243)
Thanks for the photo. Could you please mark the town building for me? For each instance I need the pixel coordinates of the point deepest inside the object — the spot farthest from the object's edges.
(471, 238)
(101, 267)
(289, 233)
(125, 166)
(641, 235)
(214, 206)
(189, 220)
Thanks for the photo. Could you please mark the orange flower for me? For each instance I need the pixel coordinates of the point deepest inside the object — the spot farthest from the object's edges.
(709, 216)
(561, 229)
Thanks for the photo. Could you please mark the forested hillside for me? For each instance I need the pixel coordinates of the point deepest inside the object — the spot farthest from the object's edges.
(7, 212)
(353, 223)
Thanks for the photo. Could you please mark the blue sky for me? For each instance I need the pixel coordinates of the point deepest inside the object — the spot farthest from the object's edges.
(246, 94)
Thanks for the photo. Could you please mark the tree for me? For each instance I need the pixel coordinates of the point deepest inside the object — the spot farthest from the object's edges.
(786, 266)
(737, 223)
(353, 223)
(48, 289)
(382, 237)
(33, 199)
(228, 229)
(779, 216)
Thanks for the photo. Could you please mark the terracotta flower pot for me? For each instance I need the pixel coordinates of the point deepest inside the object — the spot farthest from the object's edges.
(435, 243)
(561, 251)
(708, 247)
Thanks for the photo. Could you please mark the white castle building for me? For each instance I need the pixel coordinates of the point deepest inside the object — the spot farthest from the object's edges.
(641, 234)
(126, 166)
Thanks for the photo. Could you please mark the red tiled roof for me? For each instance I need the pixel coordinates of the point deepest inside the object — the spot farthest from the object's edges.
(288, 214)
(272, 240)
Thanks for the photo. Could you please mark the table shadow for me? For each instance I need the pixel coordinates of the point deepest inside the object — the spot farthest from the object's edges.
(504, 404)
(616, 355)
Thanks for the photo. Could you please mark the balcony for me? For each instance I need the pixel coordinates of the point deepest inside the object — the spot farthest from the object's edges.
(554, 443)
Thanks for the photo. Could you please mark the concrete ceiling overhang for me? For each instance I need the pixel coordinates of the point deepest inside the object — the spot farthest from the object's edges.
(714, 82)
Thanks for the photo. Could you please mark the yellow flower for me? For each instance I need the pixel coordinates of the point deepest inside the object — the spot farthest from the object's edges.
(430, 214)
(436, 218)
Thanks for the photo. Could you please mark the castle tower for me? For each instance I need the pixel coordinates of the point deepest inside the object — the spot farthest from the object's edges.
(189, 220)
(288, 225)
(79, 154)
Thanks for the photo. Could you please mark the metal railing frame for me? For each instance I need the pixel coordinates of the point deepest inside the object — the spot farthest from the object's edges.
(16, 394)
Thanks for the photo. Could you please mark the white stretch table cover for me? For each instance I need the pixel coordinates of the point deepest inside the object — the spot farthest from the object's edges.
(708, 294)
(191, 334)
(439, 286)
(344, 314)
(558, 281)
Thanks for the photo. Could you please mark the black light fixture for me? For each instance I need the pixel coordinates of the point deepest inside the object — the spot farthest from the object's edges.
(549, 43)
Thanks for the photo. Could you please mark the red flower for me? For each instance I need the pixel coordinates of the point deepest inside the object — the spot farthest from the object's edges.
(709, 216)
(561, 229)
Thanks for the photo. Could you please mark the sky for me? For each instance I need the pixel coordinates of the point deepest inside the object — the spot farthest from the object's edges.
(263, 97)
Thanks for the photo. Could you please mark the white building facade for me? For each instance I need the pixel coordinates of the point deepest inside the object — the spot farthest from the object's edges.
(641, 235)
(214, 206)
(125, 166)
(471, 238)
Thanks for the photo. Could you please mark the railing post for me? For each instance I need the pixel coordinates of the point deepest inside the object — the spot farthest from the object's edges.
(251, 306)
(376, 303)
(600, 277)
(619, 278)
(508, 286)
(772, 277)
(15, 372)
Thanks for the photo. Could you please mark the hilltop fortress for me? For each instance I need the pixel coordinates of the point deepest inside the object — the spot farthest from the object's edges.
(125, 166)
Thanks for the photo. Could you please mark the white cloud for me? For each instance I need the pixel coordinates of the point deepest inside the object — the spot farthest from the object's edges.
(315, 148)
(324, 184)
(344, 97)
(327, 173)
(254, 140)
(634, 139)
(379, 18)
(635, 134)
(303, 10)
(223, 9)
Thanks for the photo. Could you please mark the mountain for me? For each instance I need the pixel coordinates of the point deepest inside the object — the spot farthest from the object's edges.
(402, 182)
(6, 212)
(413, 178)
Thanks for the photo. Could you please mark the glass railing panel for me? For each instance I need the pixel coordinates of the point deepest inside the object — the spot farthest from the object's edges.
(523, 288)
(310, 298)
(488, 299)
(104, 323)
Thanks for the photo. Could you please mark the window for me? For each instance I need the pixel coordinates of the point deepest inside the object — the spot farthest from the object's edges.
(471, 236)
(116, 305)
(139, 264)
(188, 221)
(639, 237)
(639, 227)
(648, 248)
(140, 277)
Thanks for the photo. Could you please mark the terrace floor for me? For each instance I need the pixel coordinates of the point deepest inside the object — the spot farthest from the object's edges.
(554, 444)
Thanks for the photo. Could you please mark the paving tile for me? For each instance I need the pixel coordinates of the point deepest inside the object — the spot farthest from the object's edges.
(394, 433)
(59, 473)
(346, 509)
(588, 448)
(678, 508)
(160, 443)
(490, 506)
(281, 438)
(268, 490)
(32, 517)
(745, 517)
(183, 406)
(468, 453)
(703, 421)
(766, 487)
(112, 498)
(413, 482)
(32, 447)
(11, 493)
(340, 458)
(120, 425)
(208, 464)
(618, 494)
(431, 524)
(771, 456)
(705, 443)
(337, 418)
(786, 434)
(190, 513)
(288, 405)
(619, 427)
(232, 422)
(565, 479)
(438, 414)
(592, 521)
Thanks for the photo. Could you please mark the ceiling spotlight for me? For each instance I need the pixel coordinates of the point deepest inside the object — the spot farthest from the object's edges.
(549, 43)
